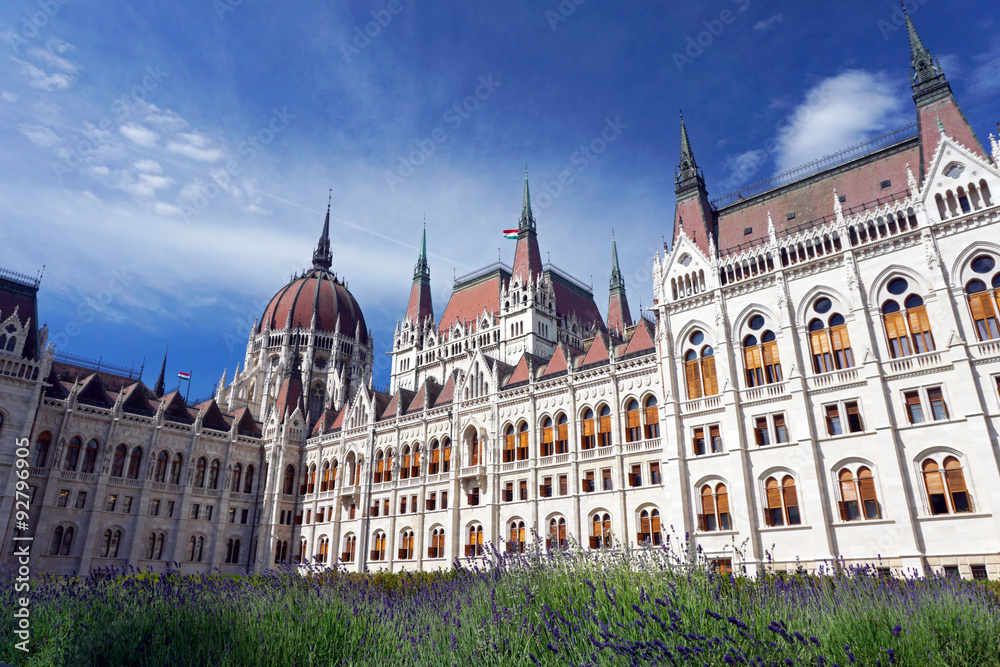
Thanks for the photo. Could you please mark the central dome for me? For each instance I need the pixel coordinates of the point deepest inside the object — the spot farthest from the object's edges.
(316, 294)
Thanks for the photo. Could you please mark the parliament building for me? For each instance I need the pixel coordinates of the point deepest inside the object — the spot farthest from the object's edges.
(818, 379)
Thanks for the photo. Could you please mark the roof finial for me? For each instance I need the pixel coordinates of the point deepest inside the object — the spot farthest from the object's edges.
(323, 256)
(924, 67)
(158, 387)
(422, 270)
(527, 221)
(617, 283)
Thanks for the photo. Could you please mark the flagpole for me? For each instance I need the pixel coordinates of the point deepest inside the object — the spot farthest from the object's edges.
(188, 394)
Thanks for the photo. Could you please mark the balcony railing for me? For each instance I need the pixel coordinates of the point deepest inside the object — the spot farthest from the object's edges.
(764, 392)
(833, 378)
(915, 362)
(699, 404)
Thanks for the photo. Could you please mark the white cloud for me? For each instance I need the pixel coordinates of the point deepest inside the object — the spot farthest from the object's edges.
(253, 208)
(837, 112)
(52, 60)
(139, 135)
(39, 78)
(742, 168)
(145, 185)
(985, 77)
(148, 166)
(40, 135)
(8, 96)
(99, 170)
(768, 23)
(164, 119)
(195, 146)
(167, 209)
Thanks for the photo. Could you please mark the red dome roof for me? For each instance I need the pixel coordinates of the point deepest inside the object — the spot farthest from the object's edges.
(316, 292)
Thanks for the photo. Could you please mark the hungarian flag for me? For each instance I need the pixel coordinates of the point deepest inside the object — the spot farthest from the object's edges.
(184, 376)
(510, 234)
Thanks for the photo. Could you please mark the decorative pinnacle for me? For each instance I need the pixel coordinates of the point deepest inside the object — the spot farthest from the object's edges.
(527, 222)
(925, 67)
(617, 283)
(422, 270)
(158, 387)
(295, 368)
(323, 257)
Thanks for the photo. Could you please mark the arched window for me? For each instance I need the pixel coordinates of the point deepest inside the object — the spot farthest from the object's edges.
(600, 537)
(288, 486)
(150, 544)
(557, 534)
(135, 463)
(67, 541)
(72, 452)
(406, 545)
(162, 461)
(233, 550)
(237, 474)
(474, 449)
(199, 549)
(281, 551)
(199, 475)
(782, 502)
(475, 545)
(633, 422)
(522, 442)
(446, 455)
(303, 546)
(415, 465)
(404, 469)
(248, 480)
(652, 414)
(649, 528)
(324, 549)
(714, 508)
(909, 331)
(350, 546)
(509, 444)
(857, 495)
(604, 427)
(947, 487)
(213, 474)
(547, 446)
(118, 465)
(588, 437)
(435, 467)
(982, 303)
(57, 537)
(379, 467)
(154, 546)
(90, 457)
(109, 543)
(436, 548)
(387, 471)
(562, 434)
(517, 542)
(42, 449)
(324, 484)
(378, 546)
(831, 347)
(105, 544)
(158, 547)
(761, 359)
(175, 468)
(699, 368)
(311, 485)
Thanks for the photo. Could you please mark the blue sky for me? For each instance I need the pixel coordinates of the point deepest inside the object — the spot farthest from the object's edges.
(169, 162)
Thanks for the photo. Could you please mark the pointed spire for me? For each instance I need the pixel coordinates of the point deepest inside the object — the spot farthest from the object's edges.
(323, 256)
(527, 221)
(158, 387)
(925, 70)
(617, 282)
(911, 182)
(995, 146)
(294, 368)
(422, 270)
(687, 155)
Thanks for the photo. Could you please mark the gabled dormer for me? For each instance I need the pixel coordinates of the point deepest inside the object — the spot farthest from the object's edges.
(135, 401)
(91, 392)
(212, 417)
(685, 271)
(959, 181)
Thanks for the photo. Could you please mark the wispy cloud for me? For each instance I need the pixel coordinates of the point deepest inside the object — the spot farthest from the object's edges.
(40, 135)
(768, 23)
(143, 185)
(137, 134)
(39, 78)
(839, 111)
(195, 146)
(984, 79)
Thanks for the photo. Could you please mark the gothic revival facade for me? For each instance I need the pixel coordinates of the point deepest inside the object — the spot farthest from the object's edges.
(818, 378)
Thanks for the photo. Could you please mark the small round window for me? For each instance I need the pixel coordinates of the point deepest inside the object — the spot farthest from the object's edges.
(983, 264)
(897, 286)
(822, 305)
(756, 322)
(697, 337)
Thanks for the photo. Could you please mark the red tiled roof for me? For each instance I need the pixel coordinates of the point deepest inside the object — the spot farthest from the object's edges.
(289, 396)
(558, 363)
(326, 421)
(339, 421)
(955, 126)
(569, 300)
(380, 399)
(245, 422)
(447, 394)
(425, 395)
(92, 391)
(212, 417)
(20, 297)
(597, 353)
(468, 302)
(398, 404)
(419, 306)
(110, 381)
(858, 181)
(527, 257)
(317, 293)
(136, 400)
(619, 314)
(521, 371)
(641, 340)
(174, 408)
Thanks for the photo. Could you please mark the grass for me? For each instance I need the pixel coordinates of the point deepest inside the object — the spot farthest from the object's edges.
(569, 607)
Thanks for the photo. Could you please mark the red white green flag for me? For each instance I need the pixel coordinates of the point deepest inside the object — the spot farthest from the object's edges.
(510, 234)
(184, 376)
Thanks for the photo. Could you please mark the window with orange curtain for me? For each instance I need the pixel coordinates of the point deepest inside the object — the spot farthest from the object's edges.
(984, 314)
(955, 478)
(547, 438)
(562, 435)
(692, 375)
(895, 330)
(920, 325)
(522, 444)
(588, 437)
(652, 414)
(604, 428)
(753, 362)
(633, 422)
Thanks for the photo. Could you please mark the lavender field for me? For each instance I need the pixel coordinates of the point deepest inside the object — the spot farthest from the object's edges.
(647, 607)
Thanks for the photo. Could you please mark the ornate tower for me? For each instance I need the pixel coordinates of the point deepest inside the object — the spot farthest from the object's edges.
(420, 307)
(527, 258)
(693, 210)
(619, 315)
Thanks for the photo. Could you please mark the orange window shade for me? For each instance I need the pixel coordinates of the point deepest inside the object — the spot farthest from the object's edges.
(524, 440)
(644, 523)
(912, 398)
(848, 490)
(547, 435)
(606, 424)
(982, 308)
(933, 480)
(713, 432)
(788, 491)
(509, 443)
(693, 376)
(588, 427)
(406, 461)
(447, 453)
(563, 485)
(895, 327)
(709, 377)
(435, 456)
(656, 523)
(416, 459)
(839, 337)
(652, 415)
(606, 526)
(722, 498)
(866, 484)
(563, 432)
(707, 501)
(773, 494)
(955, 477)
(819, 342)
(633, 419)
(520, 535)
(919, 323)
(771, 353)
(751, 357)
(936, 398)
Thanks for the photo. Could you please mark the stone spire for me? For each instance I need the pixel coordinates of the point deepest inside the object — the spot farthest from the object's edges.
(619, 314)
(158, 387)
(323, 256)
(692, 197)
(925, 70)
(420, 306)
(527, 258)
(290, 393)
(688, 168)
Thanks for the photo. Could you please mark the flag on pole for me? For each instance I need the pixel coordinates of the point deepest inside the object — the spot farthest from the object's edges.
(510, 234)
(184, 376)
